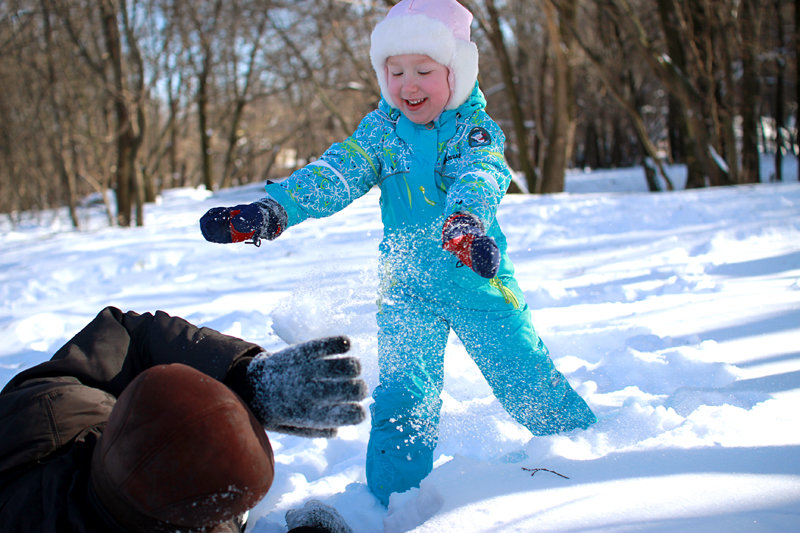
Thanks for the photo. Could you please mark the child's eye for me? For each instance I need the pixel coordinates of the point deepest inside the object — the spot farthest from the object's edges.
(424, 72)
(396, 74)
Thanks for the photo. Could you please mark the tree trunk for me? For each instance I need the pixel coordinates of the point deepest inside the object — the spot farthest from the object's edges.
(172, 149)
(493, 29)
(797, 74)
(125, 139)
(59, 142)
(677, 151)
(695, 174)
(751, 172)
(562, 125)
(725, 34)
(779, 110)
(202, 122)
(240, 101)
(591, 144)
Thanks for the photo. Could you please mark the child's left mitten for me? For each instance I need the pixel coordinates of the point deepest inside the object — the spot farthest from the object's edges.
(463, 235)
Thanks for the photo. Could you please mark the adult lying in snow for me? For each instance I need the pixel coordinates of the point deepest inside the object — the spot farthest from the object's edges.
(145, 422)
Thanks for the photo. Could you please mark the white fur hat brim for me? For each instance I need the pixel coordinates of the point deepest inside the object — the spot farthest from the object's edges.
(418, 34)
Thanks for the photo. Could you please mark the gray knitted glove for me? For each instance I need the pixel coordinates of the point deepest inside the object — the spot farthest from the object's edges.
(308, 389)
(317, 516)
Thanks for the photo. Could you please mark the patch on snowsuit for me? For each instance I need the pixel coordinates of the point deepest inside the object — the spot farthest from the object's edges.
(479, 137)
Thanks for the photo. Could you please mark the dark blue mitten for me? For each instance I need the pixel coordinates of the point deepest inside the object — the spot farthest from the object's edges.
(265, 219)
(463, 236)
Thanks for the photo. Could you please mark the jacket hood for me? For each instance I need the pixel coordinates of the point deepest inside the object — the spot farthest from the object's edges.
(439, 29)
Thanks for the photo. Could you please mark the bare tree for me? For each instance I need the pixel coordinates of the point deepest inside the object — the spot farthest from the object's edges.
(240, 90)
(562, 125)
(797, 76)
(780, 68)
(126, 90)
(491, 24)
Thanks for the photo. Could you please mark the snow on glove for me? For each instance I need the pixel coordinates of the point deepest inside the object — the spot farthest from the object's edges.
(316, 516)
(265, 219)
(463, 235)
(308, 389)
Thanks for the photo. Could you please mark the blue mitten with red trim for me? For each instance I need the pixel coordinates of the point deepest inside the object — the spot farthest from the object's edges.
(463, 236)
(265, 219)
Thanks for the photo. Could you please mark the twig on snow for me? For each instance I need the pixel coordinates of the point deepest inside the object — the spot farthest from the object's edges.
(534, 470)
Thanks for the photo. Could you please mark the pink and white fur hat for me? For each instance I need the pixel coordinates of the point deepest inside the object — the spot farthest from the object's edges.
(436, 28)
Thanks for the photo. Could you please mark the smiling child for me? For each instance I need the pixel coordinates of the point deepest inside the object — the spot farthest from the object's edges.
(437, 157)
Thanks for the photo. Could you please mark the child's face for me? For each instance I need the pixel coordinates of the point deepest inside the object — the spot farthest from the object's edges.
(418, 85)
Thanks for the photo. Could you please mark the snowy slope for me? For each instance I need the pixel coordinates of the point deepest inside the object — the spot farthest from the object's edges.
(676, 315)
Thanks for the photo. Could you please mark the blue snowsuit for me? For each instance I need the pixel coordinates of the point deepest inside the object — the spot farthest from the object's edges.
(426, 173)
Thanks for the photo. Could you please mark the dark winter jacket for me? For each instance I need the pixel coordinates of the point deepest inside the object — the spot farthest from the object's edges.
(52, 415)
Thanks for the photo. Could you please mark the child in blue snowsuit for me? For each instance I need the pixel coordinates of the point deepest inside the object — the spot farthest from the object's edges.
(438, 160)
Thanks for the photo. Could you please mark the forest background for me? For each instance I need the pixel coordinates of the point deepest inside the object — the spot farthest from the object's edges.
(117, 100)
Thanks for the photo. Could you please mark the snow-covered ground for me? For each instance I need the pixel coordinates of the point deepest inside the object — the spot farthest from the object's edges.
(676, 315)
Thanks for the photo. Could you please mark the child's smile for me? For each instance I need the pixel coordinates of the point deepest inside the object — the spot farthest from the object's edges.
(414, 105)
(418, 85)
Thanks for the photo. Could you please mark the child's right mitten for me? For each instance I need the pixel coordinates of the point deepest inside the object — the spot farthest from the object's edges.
(265, 219)
(463, 236)
(307, 389)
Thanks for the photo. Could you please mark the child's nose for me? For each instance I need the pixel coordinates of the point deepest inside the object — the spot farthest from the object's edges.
(410, 85)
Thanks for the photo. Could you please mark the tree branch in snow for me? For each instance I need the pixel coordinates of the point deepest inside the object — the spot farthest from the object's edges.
(534, 470)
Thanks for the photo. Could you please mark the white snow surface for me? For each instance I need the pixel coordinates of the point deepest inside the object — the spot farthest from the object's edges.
(676, 315)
